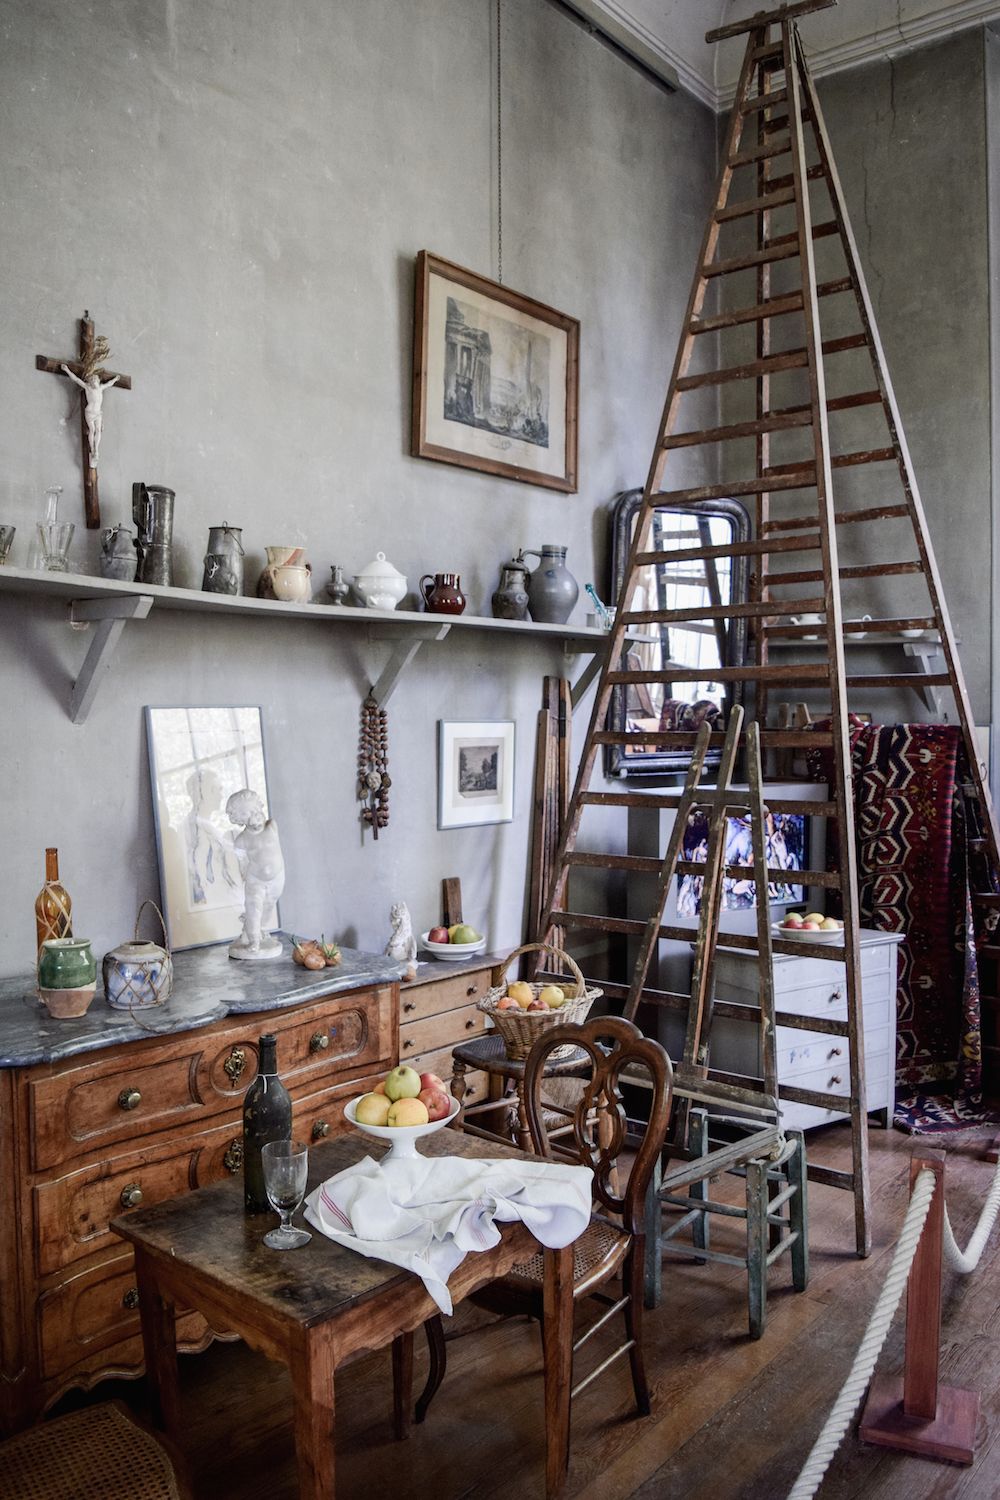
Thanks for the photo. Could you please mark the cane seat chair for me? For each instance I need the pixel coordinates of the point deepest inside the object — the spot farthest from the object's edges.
(612, 1247)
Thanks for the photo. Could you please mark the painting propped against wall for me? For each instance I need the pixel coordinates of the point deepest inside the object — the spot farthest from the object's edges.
(494, 378)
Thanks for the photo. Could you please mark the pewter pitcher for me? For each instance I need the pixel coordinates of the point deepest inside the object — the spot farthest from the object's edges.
(153, 514)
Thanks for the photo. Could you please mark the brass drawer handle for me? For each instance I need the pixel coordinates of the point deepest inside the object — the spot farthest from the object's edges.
(835, 1079)
(131, 1298)
(409, 1005)
(233, 1158)
(319, 1041)
(131, 1196)
(472, 989)
(408, 1043)
(469, 1025)
(129, 1099)
(320, 1130)
(835, 1052)
(234, 1065)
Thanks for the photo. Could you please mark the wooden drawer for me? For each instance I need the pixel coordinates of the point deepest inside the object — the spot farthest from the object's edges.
(418, 1001)
(440, 1062)
(449, 1028)
(319, 1117)
(80, 1321)
(182, 1081)
(830, 1079)
(801, 1051)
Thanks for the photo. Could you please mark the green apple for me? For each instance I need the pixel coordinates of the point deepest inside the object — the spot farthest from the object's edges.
(463, 933)
(402, 1083)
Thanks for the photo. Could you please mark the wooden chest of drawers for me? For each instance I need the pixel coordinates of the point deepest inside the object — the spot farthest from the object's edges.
(437, 1010)
(106, 1129)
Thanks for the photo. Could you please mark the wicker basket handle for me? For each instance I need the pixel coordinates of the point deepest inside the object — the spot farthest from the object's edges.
(138, 918)
(500, 969)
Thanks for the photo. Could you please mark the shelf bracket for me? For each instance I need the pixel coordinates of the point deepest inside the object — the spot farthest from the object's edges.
(111, 617)
(924, 654)
(406, 642)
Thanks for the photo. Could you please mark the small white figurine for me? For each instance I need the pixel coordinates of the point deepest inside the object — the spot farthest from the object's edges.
(93, 389)
(402, 945)
(263, 869)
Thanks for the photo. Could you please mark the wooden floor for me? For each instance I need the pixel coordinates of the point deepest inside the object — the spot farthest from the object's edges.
(732, 1420)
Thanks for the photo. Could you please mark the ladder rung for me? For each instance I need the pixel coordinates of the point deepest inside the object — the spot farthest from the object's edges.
(738, 430)
(841, 517)
(673, 799)
(759, 205)
(826, 878)
(770, 739)
(633, 927)
(772, 364)
(800, 672)
(989, 899)
(856, 627)
(670, 999)
(636, 863)
(819, 1098)
(832, 1176)
(835, 403)
(747, 262)
(813, 174)
(802, 479)
(849, 341)
(768, 53)
(763, 101)
(916, 680)
(767, 127)
(865, 570)
(756, 610)
(761, 153)
(774, 307)
(832, 288)
(730, 549)
(838, 461)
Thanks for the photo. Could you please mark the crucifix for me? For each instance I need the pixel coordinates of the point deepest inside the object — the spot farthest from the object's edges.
(89, 374)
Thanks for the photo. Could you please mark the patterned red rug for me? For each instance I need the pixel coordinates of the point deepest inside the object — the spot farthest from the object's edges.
(913, 872)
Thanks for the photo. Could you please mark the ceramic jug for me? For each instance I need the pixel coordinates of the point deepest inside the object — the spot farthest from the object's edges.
(119, 559)
(223, 561)
(279, 557)
(552, 589)
(443, 593)
(510, 598)
(153, 514)
(138, 975)
(67, 976)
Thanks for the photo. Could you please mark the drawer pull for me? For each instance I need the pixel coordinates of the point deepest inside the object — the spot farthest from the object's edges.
(131, 1298)
(471, 990)
(233, 1158)
(409, 1005)
(320, 1130)
(837, 994)
(408, 1043)
(469, 1025)
(234, 1065)
(131, 1196)
(129, 1099)
(835, 1052)
(319, 1041)
(835, 1079)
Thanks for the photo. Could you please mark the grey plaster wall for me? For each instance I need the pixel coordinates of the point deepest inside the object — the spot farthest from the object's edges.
(237, 192)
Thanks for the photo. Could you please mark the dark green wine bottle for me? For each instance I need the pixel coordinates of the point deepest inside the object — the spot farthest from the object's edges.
(267, 1116)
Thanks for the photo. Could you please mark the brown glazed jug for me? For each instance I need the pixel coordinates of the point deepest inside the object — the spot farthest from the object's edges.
(443, 593)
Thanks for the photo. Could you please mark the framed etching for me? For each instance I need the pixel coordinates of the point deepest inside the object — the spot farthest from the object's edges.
(476, 774)
(495, 378)
(198, 757)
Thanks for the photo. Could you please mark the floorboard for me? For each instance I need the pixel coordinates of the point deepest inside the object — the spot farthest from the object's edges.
(731, 1420)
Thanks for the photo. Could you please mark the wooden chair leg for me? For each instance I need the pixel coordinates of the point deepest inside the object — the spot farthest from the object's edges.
(757, 1202)
(634, 1279)
(402, 1383)
(798, 1212)
(698, 1140)
(438, 1356)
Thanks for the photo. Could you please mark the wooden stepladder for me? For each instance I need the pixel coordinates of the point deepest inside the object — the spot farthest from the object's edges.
(763, 330)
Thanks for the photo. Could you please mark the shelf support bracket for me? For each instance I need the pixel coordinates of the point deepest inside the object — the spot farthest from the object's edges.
(406, 642)
(924, 653)
(111, 617)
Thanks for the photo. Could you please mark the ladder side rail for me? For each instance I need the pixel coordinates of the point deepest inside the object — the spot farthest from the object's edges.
(703, 967)
(907, 475)
(765, 963)
(650, 937)
(762, 385)
(616, 640)
(795, 72)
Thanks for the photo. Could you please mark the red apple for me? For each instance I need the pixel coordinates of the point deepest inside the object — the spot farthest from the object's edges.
(810, 927)
(436, 1103)
(432, 1081)
(508, 1003)
(538, 1004)
(438, 935)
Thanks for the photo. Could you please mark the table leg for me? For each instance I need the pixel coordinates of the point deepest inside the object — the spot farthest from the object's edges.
(312, 1394)
(402, 1383)
(159, 1343)
(557, 1346)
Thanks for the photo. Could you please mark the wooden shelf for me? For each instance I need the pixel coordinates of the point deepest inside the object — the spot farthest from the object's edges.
(110, 605)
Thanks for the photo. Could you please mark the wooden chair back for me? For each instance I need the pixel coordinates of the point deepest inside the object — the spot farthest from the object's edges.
(599, 1126)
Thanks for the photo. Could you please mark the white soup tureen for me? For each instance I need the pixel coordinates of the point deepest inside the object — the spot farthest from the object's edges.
(380, 585)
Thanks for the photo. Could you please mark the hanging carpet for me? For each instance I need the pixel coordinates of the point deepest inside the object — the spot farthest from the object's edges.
(913, 874)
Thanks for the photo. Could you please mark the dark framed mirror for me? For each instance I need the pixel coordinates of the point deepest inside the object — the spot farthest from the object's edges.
(676, 584)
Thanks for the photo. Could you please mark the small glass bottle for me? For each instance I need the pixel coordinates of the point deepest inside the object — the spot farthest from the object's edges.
(267, 1116)
(53, 908)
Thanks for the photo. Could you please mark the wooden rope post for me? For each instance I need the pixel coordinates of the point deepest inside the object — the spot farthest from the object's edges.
(913, 1411)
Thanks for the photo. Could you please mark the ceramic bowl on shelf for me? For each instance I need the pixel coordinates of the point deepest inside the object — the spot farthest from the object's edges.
(452, 951)
(402, 1138)
(815, 935)
(913, 635)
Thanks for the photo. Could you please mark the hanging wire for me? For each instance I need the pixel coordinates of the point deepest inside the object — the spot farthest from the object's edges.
(499, 49)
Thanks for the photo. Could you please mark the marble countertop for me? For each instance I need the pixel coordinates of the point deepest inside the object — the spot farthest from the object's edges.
(208, 985)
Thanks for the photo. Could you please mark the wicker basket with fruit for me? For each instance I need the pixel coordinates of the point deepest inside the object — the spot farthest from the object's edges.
(521, 1011)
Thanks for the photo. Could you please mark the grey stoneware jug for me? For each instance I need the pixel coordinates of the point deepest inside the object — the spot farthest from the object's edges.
(552, 589)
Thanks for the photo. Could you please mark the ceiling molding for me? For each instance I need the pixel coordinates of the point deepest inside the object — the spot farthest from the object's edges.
(651, 50)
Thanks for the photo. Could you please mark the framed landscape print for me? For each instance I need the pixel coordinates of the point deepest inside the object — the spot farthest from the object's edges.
(476, 774)
(495, 378)
(198, 757)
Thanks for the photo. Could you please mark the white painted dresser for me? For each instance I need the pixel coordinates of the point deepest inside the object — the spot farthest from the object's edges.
(811, 986)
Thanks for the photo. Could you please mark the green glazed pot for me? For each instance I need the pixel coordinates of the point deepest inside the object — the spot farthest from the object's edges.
(66, 964)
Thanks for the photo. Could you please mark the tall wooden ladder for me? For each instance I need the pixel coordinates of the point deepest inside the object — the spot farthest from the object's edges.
(789, 208)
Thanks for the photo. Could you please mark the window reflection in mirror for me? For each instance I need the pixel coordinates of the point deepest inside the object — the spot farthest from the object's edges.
(699, 584)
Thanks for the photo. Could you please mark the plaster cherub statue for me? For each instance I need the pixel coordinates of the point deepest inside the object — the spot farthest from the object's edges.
(262, 866)
(93, 388)
(402, 945)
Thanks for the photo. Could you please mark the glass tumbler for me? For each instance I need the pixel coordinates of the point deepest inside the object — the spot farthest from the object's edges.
(286, 1165)
(55, 537)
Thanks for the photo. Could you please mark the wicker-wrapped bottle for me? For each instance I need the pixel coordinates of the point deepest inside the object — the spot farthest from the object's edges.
(53, 908)
(267, 1116)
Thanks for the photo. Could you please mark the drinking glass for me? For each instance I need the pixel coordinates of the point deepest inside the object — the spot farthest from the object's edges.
(55, 538)
(286, 1164)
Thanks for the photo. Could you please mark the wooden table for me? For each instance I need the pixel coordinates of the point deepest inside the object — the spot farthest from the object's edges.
(313, 1308)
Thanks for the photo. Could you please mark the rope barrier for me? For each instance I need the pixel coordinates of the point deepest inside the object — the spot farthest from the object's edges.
(965, 1261)
(856, 1384)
